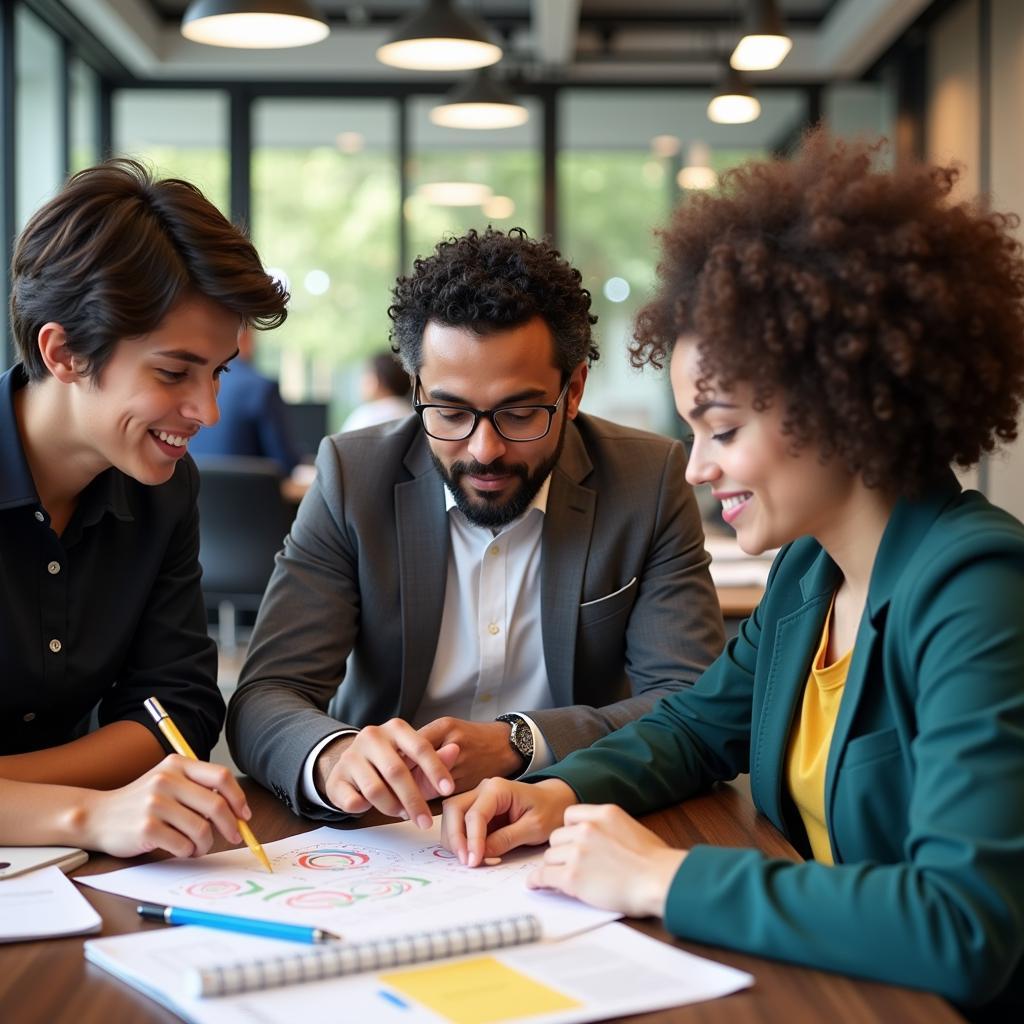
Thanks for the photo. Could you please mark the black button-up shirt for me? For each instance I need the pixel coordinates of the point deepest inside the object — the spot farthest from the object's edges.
(107, 614)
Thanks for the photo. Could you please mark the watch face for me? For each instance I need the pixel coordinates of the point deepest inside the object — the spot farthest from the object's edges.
(522, 738)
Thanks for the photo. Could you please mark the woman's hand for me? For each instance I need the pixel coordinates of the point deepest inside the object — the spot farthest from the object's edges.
(175, 807)
(500, 815)
(607, 859)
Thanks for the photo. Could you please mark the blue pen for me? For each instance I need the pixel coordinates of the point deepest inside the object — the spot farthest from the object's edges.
(228, 922)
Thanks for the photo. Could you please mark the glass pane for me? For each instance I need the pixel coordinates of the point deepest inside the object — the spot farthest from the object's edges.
(85, 88)
(39, 171)
(617, 169)
(334, 237)
(505, 161)
(181, 133)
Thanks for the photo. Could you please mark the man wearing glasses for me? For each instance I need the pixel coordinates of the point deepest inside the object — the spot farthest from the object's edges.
(483, 587)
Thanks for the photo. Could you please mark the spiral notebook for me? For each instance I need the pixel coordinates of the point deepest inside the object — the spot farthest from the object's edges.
(612, 971)
(340, 959)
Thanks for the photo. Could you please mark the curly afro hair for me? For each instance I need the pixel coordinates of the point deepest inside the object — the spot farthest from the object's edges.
(887, 320)
(492, 282)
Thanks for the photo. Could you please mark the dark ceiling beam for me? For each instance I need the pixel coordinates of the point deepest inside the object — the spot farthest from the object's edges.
(699, 20)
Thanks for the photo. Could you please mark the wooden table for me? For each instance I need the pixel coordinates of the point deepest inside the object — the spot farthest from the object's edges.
(738, 602)
(50, 982)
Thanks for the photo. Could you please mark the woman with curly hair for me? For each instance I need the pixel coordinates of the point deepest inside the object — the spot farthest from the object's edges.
(837, 338)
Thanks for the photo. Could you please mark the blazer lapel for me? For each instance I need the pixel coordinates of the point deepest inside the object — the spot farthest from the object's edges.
(423, 540)
(795, 641)
(908, 525)
(568, 524)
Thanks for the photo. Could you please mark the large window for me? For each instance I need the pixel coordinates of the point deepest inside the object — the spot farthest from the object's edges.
(182, 133)
(39, 69)
(619, 155)
(84, 115)
(325, 212)
(506, 162)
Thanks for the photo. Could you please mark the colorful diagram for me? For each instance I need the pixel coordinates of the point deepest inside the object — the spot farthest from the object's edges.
(216, 889)
(320, 899)
(339, 859)
(386, 888)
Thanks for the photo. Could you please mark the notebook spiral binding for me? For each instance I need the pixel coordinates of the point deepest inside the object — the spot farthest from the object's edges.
(339, 959)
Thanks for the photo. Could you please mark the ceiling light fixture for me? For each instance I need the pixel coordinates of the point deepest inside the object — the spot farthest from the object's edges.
(665, 145)
(733, 102)
(253, 24)
(697, 175)
(499, 207)
(480, 102)
(764, 45)
(439, 38)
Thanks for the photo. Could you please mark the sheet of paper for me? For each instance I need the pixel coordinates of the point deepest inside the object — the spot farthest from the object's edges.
(362, 883)
(608, 972)
(41, 904)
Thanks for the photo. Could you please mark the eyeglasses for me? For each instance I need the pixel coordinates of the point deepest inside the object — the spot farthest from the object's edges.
(512, 422)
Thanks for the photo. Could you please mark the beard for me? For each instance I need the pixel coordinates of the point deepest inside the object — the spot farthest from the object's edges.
(494, 512)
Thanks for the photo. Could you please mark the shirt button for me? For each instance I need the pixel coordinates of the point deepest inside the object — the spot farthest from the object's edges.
(494, 629)
(55, 646)
(39, 515)
(53, 568)
(495, 549)
(485, 698)
(29, 717)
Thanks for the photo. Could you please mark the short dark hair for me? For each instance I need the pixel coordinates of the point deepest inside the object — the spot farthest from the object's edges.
(885, 319)
(111, 254)
(493, 282)
(390, 374)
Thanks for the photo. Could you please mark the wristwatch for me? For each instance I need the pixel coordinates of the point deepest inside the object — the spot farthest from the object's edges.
(521, 737)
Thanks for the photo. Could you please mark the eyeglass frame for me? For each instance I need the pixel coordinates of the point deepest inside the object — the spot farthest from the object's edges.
(489, 414)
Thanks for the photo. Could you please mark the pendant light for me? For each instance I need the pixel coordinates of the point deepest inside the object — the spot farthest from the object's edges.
(439, 38)
(764, 45)
(253, 24)
(480, 102)
(733, 102)
(698, 174)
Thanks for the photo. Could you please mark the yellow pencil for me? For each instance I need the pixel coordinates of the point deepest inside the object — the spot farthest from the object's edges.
(180, 746)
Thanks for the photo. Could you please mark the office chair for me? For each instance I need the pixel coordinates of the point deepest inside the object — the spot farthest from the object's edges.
(242, 523)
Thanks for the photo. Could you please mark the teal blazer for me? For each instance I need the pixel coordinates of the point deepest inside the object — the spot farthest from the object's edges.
(924, 787)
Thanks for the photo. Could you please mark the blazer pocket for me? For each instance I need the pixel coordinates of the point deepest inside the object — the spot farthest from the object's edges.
(872, 747)
(604, 607)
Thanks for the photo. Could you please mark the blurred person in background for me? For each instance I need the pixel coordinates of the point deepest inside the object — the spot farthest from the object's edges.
(384, 389)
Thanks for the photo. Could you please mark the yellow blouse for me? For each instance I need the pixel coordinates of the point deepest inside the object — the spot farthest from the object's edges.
(809, 743)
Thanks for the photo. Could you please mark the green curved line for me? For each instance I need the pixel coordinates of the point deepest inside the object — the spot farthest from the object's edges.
(281, 892)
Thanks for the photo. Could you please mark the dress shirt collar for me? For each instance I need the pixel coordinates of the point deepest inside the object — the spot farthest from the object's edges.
(16, 484)
(106, 493)
(540, 501)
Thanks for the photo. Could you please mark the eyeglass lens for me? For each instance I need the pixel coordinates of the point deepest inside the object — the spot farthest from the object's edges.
(528, 423)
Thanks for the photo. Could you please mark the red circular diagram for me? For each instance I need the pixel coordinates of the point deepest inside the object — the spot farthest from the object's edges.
(214, 889)
(320, 900)
(326, 859)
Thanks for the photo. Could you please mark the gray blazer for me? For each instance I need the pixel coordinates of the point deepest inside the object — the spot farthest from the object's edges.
(358, 592)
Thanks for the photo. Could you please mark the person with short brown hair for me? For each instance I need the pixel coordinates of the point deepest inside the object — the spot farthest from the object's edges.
(128, 296)
(837, 337)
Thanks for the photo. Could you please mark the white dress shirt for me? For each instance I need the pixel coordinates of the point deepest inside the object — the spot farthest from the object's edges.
(489, 659)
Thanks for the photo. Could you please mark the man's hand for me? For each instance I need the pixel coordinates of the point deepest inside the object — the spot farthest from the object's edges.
(500, 815)
(390, 767)
(484, 749)
(607, 859)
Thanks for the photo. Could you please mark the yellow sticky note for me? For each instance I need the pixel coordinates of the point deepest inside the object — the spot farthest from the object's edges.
(478, 991)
